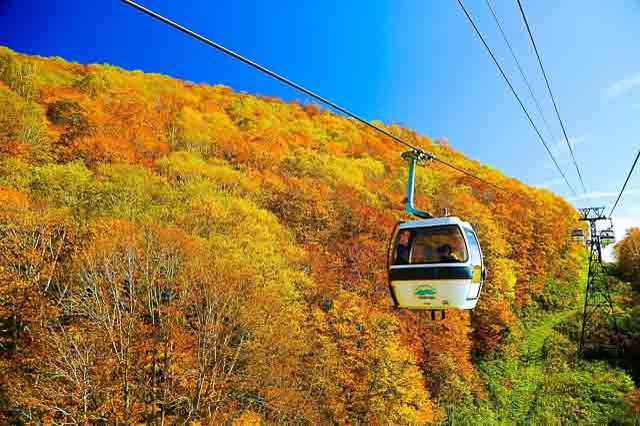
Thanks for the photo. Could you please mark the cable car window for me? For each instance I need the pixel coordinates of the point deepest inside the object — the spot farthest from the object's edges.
(474, 247)
(434, 244)
(439, 244)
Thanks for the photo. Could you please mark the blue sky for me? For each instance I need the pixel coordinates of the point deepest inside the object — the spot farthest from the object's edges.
(415, 62)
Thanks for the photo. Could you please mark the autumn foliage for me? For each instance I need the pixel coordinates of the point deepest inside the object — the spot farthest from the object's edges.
(628, 255)
(175, 252)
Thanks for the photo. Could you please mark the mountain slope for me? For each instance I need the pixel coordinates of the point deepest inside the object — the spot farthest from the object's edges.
(179, 251)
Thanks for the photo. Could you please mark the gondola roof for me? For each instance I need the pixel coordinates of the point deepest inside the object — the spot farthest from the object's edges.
(436, 221)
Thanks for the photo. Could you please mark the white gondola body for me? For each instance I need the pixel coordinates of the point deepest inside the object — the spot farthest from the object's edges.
(578, 235)
(435, 285)
(607, 236)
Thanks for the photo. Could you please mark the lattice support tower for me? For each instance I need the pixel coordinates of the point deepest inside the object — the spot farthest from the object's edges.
(597, 300)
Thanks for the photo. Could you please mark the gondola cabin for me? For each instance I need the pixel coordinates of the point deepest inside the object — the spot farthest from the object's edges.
(577, 235)
(435, 264)
(607, 236)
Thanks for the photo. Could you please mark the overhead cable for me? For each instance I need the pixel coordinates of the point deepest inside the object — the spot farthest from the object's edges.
(555, 106)
(625, 184)
(524, 77)
(524, 109)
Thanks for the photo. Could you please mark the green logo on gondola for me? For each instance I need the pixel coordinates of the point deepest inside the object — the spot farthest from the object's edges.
(424, 291)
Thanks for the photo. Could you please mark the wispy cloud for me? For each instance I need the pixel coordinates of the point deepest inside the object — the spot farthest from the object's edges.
(549, 183)
(622, 86)
(561, 153)
(601, 194)
(560, 149)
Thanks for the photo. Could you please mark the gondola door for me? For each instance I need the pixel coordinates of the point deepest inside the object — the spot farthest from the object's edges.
(475, 258)
(391, 257)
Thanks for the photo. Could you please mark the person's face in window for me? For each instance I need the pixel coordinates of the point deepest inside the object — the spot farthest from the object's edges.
(405, 237)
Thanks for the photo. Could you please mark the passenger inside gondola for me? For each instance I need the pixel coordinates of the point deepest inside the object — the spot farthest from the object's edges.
(446, 254)
(441, 244)
(404, 247)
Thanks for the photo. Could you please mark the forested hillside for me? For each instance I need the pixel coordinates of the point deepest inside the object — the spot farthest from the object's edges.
(174, 252)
